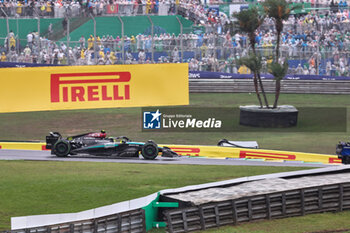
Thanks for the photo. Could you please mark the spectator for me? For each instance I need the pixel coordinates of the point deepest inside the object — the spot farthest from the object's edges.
(91, 42)
(3, 57)
(243, 70)
(82, 41)
(30, 40)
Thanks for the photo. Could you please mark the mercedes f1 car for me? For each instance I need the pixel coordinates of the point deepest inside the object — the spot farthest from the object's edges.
(100, 145)
(343, 152)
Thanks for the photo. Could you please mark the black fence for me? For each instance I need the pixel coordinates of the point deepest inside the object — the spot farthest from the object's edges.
(287, 86)
(329, 198)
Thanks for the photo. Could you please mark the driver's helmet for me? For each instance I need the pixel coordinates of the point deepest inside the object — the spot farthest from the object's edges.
(103, 134)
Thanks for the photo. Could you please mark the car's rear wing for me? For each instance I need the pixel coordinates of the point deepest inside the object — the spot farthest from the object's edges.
(52, 139)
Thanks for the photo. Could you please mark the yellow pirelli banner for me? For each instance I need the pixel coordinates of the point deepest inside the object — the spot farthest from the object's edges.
(84, 87)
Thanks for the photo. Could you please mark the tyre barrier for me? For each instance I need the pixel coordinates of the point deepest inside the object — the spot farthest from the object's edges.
(213, 152)
(299, 202)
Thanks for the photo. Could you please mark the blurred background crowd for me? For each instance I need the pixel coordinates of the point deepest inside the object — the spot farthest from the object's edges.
(316, 41)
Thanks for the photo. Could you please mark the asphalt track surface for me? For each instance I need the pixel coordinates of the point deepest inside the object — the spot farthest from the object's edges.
(46, 156)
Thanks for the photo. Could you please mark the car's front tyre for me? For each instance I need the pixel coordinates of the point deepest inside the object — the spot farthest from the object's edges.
(150, 150)
(62, 148)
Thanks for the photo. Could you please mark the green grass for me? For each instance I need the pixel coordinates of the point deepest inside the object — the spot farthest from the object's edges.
(127, 121)
(30, 188)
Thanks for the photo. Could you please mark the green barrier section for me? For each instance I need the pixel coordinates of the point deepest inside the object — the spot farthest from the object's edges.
(104, 26)
(151, 212)
(133, 25)
(25, 26)
(165, 204)
(159, 224)
(169, 24)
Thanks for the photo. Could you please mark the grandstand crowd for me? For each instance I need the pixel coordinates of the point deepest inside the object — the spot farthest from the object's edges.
(315, 44)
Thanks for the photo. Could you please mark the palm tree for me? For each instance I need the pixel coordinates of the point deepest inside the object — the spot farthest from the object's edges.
(279, 10)
(249, 21)
(278, 71)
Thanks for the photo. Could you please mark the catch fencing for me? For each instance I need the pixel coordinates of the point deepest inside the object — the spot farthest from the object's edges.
(299, 202)
(132, 221)
(213, 51)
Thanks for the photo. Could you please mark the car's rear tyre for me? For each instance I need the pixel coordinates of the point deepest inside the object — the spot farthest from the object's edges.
(62, 148)
(150, 150)
(347, 159)
(339, 149)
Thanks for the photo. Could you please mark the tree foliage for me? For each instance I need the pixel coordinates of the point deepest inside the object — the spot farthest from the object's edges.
(279, 10)
(252, 61)
(249, 20)
(279, 71)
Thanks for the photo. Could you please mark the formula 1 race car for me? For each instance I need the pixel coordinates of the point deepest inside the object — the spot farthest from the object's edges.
(343, 152)
(98, 144)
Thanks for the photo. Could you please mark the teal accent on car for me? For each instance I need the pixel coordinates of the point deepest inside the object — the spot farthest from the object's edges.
(100, 146)
(136, 143)
(115, 144)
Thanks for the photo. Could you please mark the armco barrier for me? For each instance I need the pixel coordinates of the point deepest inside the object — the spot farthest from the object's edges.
(212, 152)
(130, 221)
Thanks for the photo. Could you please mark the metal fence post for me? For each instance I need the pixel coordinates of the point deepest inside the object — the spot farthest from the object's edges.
(95, 50)
(95, 226)
(268, 206)
(320, 198)
(123, 48)
(17, 32)
(214, 41)
(152, 33)
(302, 202)
(201, 216)
(71, 228)
(7, 27)
(234, 212)
(341, 197)
(181, 37)
(39, 43)
(68, 35)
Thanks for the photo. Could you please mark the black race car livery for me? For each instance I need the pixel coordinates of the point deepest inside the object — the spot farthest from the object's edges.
(100, 145)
